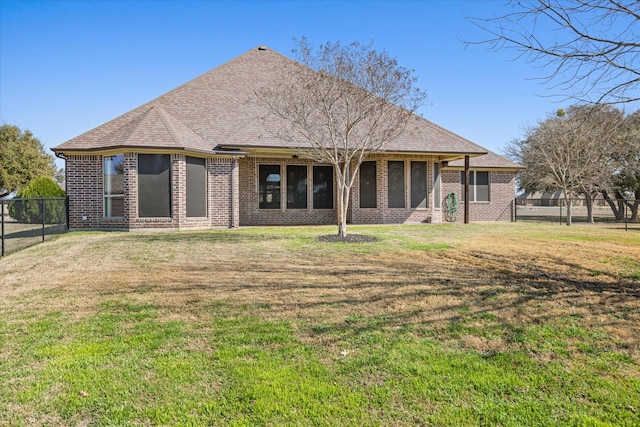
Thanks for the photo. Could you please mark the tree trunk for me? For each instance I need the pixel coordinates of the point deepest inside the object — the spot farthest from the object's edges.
(618, 211)
(342, 223)
(634, 205)
(568, 202)
(344, 190)
(589, 202)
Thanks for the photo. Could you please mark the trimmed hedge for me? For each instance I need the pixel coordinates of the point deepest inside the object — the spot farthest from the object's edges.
(30, 211)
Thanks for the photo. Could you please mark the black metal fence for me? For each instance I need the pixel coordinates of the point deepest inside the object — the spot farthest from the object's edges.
(26, 222)
(625, 213)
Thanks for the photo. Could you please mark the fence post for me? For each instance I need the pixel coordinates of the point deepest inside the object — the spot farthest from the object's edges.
(2, 209)
(626, 219)
(66, 210)
(560, 204)
(43, 221)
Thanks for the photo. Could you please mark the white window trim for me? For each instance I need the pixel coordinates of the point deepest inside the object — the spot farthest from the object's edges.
(106, 197)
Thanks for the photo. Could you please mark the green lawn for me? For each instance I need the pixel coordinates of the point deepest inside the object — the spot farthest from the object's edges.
(484, 324)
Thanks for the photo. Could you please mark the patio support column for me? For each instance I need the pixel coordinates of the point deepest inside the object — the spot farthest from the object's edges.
(466, 189)
(235, 195)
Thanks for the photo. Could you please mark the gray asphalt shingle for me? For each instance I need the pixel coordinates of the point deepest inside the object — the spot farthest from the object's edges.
(220, 108)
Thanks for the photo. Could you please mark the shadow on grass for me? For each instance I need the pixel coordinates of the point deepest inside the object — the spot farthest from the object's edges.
(201, 236)
(459, 293)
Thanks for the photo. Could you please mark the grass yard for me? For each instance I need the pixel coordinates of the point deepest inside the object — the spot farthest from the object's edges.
(484, 324)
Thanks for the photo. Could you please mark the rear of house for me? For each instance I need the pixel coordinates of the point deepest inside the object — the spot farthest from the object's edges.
(199, 156)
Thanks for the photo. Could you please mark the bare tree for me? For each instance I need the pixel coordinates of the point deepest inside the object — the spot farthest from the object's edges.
(626, 179)
(589, 49)
(339, 104)
(600, 130)
(572, 152)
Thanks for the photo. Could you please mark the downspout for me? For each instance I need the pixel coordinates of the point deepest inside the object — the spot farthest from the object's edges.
(466, 189)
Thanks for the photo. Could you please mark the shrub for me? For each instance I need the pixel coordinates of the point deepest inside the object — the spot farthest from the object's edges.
(30, 211)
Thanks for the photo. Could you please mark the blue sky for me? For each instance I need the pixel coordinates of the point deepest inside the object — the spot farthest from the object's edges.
(68, 66)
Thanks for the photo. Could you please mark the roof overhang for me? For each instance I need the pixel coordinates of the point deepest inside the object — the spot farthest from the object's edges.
(483, 168)
(285, 152)
(108, 151)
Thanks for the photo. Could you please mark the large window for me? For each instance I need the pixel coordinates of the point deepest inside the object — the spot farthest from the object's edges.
(418, 184)
(395, 184)
(323, 187)
(196, 187)
(269, 181)
(113, 186)
(478, 186)
(368, 190)
(154, 185)
(296, 187)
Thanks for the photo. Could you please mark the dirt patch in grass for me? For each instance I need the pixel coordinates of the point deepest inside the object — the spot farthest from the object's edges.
(349, 238)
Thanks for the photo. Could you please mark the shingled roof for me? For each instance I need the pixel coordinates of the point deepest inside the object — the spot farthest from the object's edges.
(490, 160)
(220, 109)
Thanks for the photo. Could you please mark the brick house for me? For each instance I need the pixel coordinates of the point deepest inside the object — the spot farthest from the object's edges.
(199, 156)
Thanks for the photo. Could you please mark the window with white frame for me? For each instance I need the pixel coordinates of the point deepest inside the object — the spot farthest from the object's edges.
(478, 186)
(113, 186)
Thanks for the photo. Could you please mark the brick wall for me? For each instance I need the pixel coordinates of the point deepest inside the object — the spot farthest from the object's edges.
(385, 215)
(501, 195)
(223, 207)
(85, 190)
(233, 199)
(250, 214)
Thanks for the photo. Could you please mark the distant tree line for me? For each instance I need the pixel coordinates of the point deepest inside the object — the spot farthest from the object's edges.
(587, 151)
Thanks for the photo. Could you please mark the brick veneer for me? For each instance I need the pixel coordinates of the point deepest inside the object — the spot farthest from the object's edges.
(85, 191)
(250, 214)
(232, 195)
(501, 195)
(384, 215)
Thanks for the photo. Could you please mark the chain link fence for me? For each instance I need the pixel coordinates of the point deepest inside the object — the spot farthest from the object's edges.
(623, 213)
(26, 222)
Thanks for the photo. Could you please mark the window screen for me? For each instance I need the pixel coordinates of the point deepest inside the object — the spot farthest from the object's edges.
(269, 181)
(482, 186)
(323, 187)
(154, 185)
(396, 184)
(368, 185)
(196, 187)
(418, 184)
(296, 187)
